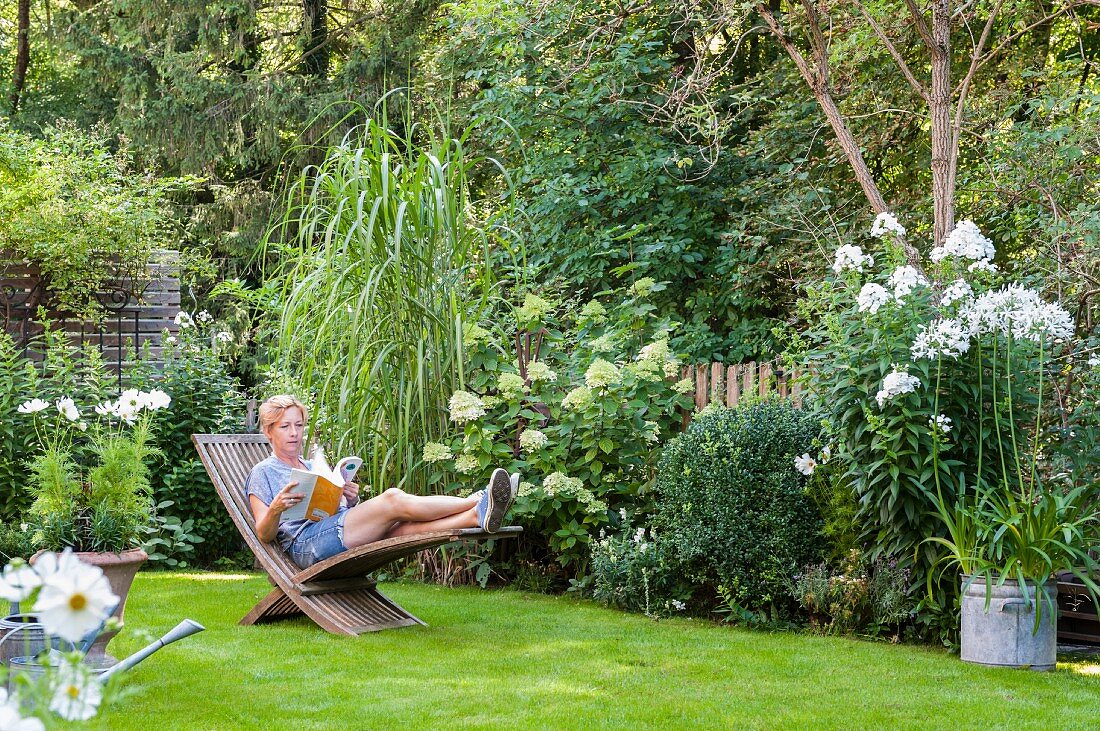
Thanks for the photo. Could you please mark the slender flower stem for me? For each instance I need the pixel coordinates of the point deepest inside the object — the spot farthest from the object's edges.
(1012, 416)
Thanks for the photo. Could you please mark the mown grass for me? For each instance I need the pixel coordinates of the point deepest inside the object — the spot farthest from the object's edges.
(505, 659)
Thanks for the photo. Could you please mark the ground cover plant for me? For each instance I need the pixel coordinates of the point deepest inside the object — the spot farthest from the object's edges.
(551, 662)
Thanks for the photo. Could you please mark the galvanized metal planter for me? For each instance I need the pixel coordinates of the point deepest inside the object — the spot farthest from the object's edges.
(1003, 634)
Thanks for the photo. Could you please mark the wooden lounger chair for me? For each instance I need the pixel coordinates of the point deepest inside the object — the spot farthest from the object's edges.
(338, 593)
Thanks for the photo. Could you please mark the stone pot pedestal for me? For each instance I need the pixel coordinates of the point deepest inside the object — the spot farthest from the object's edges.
(120, 569)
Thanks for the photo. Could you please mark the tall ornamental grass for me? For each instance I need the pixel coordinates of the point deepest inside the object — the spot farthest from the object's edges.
(381, 259)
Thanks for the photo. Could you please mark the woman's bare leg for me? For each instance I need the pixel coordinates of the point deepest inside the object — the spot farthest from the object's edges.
(466, 519)
(374, 519)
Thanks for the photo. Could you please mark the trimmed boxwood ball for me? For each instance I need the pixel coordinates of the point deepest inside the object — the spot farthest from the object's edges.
(731, 505)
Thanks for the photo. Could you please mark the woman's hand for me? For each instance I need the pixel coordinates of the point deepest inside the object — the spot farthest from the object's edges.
(285, 498)
(351, 493)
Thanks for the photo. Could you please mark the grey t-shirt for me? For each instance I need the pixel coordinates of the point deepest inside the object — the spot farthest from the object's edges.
(265, 481)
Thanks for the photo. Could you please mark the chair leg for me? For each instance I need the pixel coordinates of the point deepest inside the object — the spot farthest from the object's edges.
(349, 612)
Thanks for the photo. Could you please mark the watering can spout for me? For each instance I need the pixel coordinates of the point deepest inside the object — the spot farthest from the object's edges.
(186, 628)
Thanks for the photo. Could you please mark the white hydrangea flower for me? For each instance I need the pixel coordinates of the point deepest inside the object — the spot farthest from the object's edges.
(684, 385)
(539, 371)
(33, 406)
(593, 312)
(578, 399)
(871, 297)
(940, 423)
(532, 440)
(642, 287)
(466, 463)
(74, 600)
(601, 374)
(904, 280)
(957, 291)
(436, 452)
(604, 343)
(896, 383)
(511, 385)
(886, 222)
(851, 257)
(966, 242)
(473, 335)
(805, 464)
(464, 407)
(76, 692)
(533, 308)
(945, 337)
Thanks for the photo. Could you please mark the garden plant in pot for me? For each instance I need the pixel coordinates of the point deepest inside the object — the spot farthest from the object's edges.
(939, 392)
(91, 489)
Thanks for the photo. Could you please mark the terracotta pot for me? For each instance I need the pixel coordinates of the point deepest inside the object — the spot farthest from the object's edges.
(120, 569)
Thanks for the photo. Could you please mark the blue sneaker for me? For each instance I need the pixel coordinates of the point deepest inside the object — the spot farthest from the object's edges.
(495, 501)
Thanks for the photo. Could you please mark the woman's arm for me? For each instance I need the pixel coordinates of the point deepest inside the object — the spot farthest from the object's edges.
(267, 516)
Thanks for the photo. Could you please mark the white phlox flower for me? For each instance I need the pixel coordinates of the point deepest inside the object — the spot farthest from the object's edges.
(805, 464)
(12, 720)
(67, 408)
(1019, 312)
(946, 337)
(851, 257)
(982, 266)
(896, 383)
(33, 406)
(223, 336)
(678, 605)
(904, 280)
(957, 291)
(871, 297)
(74, 600)
(204, 316)
(940, 423)
(18, 582)
(886, 222)
(75, 692)
(966, 242)
(1094, 360)
(183, 319)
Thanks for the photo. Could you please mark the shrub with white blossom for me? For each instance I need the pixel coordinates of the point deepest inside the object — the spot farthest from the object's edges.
(929, 378)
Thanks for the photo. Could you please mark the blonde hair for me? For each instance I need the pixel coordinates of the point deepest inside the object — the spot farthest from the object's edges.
(273, 409)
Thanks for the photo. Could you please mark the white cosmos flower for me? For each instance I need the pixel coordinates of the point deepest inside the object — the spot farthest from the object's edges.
(871, 297)
(67, 408)
(76, 693)
(886, 222)
(33, 406)
(75, 598)
(155, 399)
(896, 383)
(805, 464)
(12, 720)
(18, 582)
(851, 257)
(105, 409)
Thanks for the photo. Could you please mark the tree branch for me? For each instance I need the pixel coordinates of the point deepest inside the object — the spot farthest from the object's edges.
(917, 87)
(920, 23)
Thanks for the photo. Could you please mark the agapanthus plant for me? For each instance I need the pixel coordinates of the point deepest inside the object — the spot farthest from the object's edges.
(935, 383)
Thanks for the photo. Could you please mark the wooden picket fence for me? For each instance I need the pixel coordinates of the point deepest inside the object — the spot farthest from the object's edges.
(730, 384)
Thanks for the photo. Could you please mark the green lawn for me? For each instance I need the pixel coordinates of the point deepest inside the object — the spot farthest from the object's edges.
(504, 659)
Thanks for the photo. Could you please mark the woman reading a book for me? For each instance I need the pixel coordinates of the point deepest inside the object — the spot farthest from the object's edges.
(393, 513)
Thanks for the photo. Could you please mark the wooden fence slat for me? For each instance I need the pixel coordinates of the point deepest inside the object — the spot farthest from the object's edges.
(748, 377)
(716, 381)
(765, 379)
(700, 387)
(732, 384)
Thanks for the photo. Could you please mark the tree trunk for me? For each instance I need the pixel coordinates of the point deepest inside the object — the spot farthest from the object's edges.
(22, 53)
(315, 60)
(943, 138)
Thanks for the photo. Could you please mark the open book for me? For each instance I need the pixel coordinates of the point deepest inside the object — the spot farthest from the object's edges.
(322, 486)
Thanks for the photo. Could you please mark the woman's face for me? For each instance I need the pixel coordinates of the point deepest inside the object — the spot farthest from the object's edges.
(286, 433)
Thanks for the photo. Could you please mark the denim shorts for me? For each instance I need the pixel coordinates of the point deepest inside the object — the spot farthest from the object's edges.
(319, 540)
